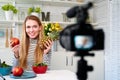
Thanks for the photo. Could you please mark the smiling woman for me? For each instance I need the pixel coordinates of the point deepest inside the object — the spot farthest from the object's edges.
(31, 49)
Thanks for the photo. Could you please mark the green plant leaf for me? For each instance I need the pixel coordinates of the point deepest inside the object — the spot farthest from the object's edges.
(37, 9)
(54, 35)
(34, 9)
(10, 7)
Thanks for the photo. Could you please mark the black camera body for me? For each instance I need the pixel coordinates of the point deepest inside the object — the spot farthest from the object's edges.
(81, 36)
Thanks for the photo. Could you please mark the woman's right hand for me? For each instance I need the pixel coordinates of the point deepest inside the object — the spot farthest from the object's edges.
(15, 49)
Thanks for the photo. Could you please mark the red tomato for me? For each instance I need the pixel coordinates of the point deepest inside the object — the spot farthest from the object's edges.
(17, 71)
(15, 41)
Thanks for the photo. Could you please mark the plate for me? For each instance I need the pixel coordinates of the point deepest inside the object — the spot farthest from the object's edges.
(24, 76)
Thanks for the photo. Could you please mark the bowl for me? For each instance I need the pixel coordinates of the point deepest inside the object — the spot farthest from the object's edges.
(5, 70)
(39, 69)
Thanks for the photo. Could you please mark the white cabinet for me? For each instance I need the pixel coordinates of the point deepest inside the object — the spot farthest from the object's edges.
(64, 60)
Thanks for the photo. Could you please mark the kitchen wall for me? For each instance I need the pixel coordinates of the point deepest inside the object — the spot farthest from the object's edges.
(97, 61)
(112, 56)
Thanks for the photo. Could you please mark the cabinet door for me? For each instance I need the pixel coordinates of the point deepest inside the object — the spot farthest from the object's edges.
(72, 60)
(59, 60)
(64, 60)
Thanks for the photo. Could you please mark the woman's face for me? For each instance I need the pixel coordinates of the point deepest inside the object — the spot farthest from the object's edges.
(32, 28)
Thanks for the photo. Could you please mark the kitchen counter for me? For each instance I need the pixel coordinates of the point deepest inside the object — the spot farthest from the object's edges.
(51, 75)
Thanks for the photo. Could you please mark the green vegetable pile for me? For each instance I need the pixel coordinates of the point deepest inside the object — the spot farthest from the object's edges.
(3, 64)
(40, 64)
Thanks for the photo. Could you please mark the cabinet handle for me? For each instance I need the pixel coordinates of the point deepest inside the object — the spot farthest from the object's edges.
(72, 61)
(66, 61)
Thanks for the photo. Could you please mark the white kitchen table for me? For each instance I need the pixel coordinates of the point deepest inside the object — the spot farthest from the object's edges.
(51, 75)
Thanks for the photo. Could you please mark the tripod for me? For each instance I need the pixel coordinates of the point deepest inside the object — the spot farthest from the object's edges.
(82, 67)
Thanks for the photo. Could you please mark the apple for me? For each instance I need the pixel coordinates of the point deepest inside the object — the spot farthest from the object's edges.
(15, 41)
(17, 71)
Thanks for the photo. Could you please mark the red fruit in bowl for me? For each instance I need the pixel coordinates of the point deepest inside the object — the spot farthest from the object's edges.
(15, 41)
(17, 71)
(40, 68)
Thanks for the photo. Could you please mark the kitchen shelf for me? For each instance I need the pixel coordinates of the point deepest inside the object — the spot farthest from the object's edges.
(21, 22)
(6, 22)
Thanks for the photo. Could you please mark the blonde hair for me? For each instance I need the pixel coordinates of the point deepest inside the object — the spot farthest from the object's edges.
(24, 45)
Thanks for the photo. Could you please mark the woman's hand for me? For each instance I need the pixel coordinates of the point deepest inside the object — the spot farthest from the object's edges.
(15, 49)
(48, 45)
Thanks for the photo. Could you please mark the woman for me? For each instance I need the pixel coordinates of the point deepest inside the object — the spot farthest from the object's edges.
(31, 49)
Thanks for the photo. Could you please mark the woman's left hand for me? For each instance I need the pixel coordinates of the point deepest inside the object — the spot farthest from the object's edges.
(48, 45)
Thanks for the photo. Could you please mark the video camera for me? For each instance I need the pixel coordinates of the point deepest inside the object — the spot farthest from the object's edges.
(81, 36)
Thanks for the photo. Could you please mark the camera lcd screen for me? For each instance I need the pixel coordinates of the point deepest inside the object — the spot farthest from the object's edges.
(82, 42)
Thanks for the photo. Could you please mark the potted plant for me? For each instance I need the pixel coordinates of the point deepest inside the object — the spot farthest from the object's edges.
(34, 11)
(9, 11)
(40, 68)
